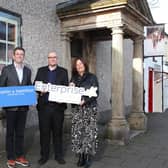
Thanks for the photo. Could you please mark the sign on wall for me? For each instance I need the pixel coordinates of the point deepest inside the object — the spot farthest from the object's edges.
(154, 43)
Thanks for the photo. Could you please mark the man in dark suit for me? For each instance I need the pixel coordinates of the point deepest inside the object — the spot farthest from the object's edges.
(51, 114)
(16, 74)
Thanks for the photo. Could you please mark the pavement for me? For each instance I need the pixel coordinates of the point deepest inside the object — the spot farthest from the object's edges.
(147, 150)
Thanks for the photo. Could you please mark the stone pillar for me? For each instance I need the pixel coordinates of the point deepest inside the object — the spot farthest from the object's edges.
(66, 51)
(137, 119)
(118, 128)
(66, 63)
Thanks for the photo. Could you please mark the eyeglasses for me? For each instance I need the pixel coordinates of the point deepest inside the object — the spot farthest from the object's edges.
(52, 57)
(19, 54)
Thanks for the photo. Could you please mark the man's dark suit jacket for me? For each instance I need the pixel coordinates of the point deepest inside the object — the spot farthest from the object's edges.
(60, 79)
(9, 77)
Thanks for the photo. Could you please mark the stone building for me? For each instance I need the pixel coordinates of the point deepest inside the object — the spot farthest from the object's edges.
(108, 33)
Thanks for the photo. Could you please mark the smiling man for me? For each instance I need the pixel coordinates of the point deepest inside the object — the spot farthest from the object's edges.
(16, 74)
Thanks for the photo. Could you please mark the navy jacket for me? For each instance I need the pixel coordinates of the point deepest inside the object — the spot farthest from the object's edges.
(61, 78)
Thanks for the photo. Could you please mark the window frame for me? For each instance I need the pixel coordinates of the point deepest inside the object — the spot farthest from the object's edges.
(15, 19)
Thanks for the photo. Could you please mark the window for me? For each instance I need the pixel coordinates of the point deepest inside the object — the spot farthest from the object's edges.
(9, 36)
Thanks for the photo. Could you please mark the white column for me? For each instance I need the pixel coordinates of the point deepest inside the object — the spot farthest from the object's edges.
(137, 119)
(118, 128)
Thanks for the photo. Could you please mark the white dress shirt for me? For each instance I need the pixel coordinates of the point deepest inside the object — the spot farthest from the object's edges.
(19, 70)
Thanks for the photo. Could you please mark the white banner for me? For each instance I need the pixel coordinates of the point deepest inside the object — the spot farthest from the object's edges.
(65, 94)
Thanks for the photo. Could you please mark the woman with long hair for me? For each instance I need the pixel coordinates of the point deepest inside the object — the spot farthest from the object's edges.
(84, 115)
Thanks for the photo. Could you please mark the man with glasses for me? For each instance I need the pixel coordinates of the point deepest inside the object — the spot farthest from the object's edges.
(51, 114)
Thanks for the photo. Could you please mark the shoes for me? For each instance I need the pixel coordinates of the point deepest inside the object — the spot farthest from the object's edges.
(11, 163)
(22, 161)
(88, 161)
(42, 161)
(81, 160)
(60, 160)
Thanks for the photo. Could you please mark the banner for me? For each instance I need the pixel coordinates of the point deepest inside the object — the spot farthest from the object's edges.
(17, 96)
(65, 94)
(154, 43)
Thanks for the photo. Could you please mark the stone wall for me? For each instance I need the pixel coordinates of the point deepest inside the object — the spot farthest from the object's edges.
(40, 29)
(40, 33)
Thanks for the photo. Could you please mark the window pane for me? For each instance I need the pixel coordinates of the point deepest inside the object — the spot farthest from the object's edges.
(2, 30)
(2, 52)
(10, 52)
(11, 32)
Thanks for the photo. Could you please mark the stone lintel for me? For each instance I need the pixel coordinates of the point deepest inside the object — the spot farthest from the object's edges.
(134, 26)
(101, 20)
(80, 6)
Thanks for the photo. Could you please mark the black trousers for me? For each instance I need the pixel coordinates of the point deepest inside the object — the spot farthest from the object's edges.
(51, 125)
(15, 133)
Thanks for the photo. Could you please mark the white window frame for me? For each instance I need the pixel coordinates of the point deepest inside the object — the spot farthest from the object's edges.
(6, 42)
(15, 19)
